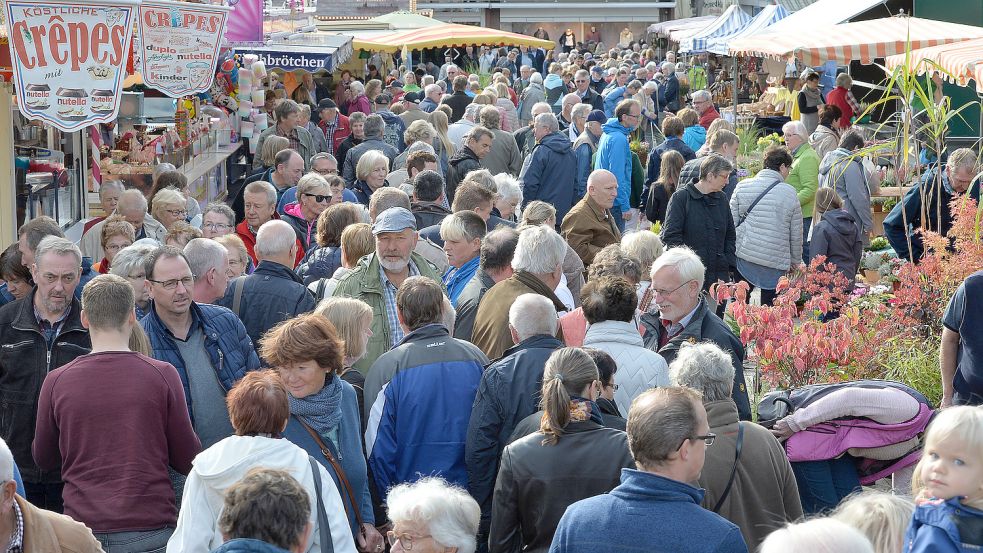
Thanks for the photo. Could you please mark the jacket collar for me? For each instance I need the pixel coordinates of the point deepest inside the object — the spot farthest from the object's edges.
(608, 407)
(462, 154)
(721, 413)
(602, 215)
(530, 280)
(613, 331)
(486, 280)
(428, 332)
(539, 341)
(429, 207)
(273, 269)
(692, 332)
(647, 487)
(26, 320)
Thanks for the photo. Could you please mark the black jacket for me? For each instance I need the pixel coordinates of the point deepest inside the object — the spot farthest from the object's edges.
(611, 415)
(25, 359)
(350, 163)
(550, 174)
(459, 165)
(347, 144)
(458, 101)
(704, 223)
(691, 173)
(271, 295)
(537, 482)
(705, 326)
(841, 243)
(468, 302)
(509, 391)
(428, 214)
(592, 98)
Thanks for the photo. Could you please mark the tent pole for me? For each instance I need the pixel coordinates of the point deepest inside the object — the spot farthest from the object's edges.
(735, 91)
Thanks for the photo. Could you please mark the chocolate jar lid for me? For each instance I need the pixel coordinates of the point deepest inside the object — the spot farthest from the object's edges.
(38, 87)
(102, 93)
(71, 92)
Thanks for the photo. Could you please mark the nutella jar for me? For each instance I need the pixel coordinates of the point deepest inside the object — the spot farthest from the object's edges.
(38, 96)
(72, 104)
(102, 102)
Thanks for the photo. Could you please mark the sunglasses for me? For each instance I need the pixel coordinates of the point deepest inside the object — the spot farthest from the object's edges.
(319, 198)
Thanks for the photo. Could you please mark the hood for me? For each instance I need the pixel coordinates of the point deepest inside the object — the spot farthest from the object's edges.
(246, 545)
(833, 158)
(613, 332)
(293, 208)
(696, 130)
(613, 125)
(558, 142)
(552, 81)
(224, 463)
(462, 154)
(388, 116)
(842, 222)
(823, 131)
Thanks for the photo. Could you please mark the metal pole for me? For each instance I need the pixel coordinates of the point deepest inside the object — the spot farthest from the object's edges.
(735, 91)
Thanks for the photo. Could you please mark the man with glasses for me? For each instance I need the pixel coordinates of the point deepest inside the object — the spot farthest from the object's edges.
(614, 154)
(207, 344)
(581, 80)
(39, 333)
(325, 165)
(681, 314)
(668, 434)
(217, 220)
(703, 104)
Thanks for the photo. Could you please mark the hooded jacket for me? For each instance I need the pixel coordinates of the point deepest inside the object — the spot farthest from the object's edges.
(459, 165)
(824, 141)
(553, 85)
(944, 527)
(225, 463)
(306, 230)
(612, 98)
(843, 170)
(694, 137)
(804, 177)
(550, 174)
(638, 368)
(392, 133)
(836, 236)
(771, 234)
(247, 545)
(614, 154)
(320, 262)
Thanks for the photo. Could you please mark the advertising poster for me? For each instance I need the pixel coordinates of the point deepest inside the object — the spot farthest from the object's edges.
(69, 58)
(179, 44)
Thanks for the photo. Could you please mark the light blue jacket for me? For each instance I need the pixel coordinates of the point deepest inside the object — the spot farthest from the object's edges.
(612, 99)
(695, 137)
(614, 154)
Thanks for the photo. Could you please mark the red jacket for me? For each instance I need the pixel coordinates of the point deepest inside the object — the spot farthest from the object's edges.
(708, 117)
(340, 134)
(838, 97)
(249, 239)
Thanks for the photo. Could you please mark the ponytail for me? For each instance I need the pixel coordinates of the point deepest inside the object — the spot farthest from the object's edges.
(568, 371)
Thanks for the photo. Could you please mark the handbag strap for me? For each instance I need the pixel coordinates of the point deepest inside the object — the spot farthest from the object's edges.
(322, 284)
(237, 295)
(327, 544)
(755, 202)
(733, 470)
(337, 469)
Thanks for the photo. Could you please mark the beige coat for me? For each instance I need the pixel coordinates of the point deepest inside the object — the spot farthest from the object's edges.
(47, 532)
(588, 228)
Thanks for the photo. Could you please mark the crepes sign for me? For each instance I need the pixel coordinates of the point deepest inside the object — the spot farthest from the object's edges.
(179, 44)
(69, 58)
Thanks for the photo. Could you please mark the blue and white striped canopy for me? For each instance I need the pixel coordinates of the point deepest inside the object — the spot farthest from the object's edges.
(770, 15)
(729, 22)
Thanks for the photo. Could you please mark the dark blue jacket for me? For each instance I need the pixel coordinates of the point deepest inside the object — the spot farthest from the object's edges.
(509, 391)
(623, 520)
(87, 275)
(911, 205)
(669, 94)
(948, 527)
(655, 157)
(229, 347)
(550, 173)
(319, 263)
(347, 451)
(247, 545)
(271, 295)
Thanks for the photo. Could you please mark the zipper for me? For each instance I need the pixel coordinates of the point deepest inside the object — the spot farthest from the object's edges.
(221, 364)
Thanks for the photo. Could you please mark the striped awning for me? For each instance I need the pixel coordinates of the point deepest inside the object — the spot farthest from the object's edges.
(449, 35)
(959, 63)
(863, 40)
(767, 17)
(732, 20)
(665, 27)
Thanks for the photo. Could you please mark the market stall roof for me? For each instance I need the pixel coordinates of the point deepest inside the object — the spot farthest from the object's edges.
(309, 51)
(960, 62)
(771, 14)
(448, 35)
(863, 40)
(826, 12)
(733, 19)
(406, 20)
(664, 27)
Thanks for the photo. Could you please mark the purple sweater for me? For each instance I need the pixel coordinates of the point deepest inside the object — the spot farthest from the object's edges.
(114, 421)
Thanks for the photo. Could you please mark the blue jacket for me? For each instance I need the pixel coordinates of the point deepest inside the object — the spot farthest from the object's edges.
(87, 275)
(695, 137)
(655, 157)
(585, 162)
(612, 99)
(669, 94)
(456, 282)
(347, 450)
(271, 295)
(319, 263)
(949, 527)
(418, 422)
(614, 154)
(622, 521)
(229, 347)
(247, 545)
(550, 173)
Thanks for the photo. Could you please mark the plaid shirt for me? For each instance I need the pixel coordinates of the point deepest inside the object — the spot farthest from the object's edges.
(389, 298)
(50, 329)
(293, 136)
(16, 544)
(329, 130)
(853, 103)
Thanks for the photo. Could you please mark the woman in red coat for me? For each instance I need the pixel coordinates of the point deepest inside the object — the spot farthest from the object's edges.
(842, 98)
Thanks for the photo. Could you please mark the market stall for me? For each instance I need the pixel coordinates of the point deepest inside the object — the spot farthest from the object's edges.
(959, 63)
(732, 20)
(448, 35)
(665, 27)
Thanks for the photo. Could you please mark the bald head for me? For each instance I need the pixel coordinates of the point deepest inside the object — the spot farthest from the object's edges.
(602, 187)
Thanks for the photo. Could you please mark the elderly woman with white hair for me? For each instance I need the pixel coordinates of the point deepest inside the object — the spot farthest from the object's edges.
(646, 247)
(129, 264)
(432, 516)
(803, 176)
(109, 193)
(370, 175)
(509, 197)
(746, 475)
(531, 95)
(169, 207)
(820, 535)
(669, 89)
(417, 131)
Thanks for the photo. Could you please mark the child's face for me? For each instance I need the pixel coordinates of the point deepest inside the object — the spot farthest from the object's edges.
(949, 469)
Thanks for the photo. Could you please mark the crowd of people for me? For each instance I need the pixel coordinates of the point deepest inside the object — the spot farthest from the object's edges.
(447, 317)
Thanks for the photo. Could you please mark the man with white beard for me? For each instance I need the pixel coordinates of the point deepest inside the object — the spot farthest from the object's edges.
(377, 278)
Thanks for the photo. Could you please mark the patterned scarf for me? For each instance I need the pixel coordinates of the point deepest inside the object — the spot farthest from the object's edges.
(321, 411)
(582, 409)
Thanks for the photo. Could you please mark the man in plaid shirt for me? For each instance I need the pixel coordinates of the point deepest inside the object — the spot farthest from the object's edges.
(333, 124)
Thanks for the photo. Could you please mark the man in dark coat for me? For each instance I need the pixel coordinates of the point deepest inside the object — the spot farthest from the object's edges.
(459, 99)
(494, 266)
(723, 143)
(581, 80)
(374, 127)
(509, 391)
(428, 193)
(550, 173)
(479, 143)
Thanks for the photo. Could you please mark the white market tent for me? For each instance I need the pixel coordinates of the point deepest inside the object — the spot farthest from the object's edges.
(665, 27)
(770, 15)
(732, 20)
(825, 12)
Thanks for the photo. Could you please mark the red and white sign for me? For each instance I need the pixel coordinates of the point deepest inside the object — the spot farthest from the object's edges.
(179, 44)
(69, 58)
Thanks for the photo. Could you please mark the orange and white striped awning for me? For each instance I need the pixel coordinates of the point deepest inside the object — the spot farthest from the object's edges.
(449, 35)
(958, 63)
(863, 40)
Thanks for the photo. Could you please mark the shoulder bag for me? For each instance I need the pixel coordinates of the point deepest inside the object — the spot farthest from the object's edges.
(755, 202)
(338, 470)
(327, 544)
(733, 470)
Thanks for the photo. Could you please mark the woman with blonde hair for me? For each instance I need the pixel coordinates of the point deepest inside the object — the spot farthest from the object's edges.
(370, 175)
(352, 319)
(646, 246)
(539, 213)
(720, 124)
(372, 89)
(442, 145)
(272, 146)
(169, 207)
(511, 120)
(356, 242)
(573, 456)
(819, 535)
(882, 517)
(239, 260)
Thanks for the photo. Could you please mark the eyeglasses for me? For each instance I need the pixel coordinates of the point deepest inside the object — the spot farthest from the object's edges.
(319, 198)
(187, 282)
(177, 212)
(708, 439)
(664, 293)
(404, 540)
(326, 173)
(216, 226)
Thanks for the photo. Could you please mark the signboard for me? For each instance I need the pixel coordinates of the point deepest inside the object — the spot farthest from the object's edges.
(69, 58)
(289, 58)
(179, 45)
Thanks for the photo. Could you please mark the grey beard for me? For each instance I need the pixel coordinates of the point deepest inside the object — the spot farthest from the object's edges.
(393, 266)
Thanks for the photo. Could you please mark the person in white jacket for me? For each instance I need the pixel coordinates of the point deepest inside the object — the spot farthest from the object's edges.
(258, 409)
(610, 305)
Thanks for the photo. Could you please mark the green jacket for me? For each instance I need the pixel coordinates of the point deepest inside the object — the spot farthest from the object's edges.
(804, 177)
(364, 283)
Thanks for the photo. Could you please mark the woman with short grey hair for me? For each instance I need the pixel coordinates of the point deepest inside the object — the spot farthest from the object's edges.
(431, 516)
(757, 491)
(509, 198)
(129, 264)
